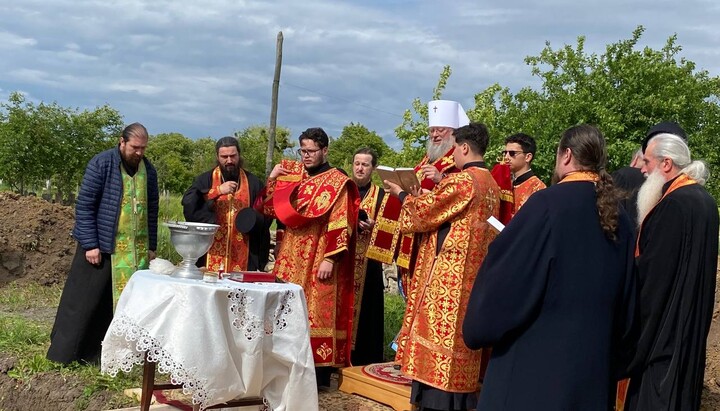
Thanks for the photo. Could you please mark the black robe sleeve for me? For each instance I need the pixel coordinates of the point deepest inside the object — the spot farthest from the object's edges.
(260, 234)
(195, 208)
(511, 282)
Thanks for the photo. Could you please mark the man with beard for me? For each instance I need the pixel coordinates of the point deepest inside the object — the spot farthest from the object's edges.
(225, 196)
(676, 254)
(630, 178)
(555, 295)
(386, 243)
(453, 218)
(116, 229)
(369, 316)
(318, 205)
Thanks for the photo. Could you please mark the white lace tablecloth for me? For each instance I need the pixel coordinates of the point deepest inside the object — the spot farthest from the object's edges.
(220, 341)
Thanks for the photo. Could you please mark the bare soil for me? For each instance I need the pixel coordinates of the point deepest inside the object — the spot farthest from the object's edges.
(35, 246)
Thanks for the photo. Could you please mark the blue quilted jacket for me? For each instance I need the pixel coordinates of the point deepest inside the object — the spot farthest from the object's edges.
(97, 208)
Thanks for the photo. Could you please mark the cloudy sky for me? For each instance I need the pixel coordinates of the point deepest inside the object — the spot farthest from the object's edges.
(205, 68)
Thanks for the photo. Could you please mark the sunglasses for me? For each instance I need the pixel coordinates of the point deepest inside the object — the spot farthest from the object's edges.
(511, 153)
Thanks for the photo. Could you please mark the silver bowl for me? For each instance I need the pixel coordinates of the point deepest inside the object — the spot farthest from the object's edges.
(191, 241)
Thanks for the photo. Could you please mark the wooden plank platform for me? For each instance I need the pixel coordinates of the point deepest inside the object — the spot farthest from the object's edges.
(354, 381)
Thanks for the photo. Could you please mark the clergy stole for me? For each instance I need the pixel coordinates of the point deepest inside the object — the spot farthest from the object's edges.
(320, 214)
(363, 240)
(524, 190)
(682, 181)
(229, 249)
(131, 238)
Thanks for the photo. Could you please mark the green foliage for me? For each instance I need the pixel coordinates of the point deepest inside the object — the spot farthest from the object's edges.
(623, 91)
(47, 141)
(253, 147)
(353, 137)
(203, 156)
(179, 159)
(170, 210)
(394, 312)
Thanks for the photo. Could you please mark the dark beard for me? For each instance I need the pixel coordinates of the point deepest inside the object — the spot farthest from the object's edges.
(230, 175)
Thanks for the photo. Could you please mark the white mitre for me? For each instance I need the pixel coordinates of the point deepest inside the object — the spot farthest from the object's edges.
(446, 113)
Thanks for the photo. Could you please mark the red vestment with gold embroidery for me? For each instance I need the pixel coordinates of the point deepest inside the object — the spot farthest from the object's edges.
(386, 243)
(524, 190)
(229, 249)
(320, 214)
(430, 345)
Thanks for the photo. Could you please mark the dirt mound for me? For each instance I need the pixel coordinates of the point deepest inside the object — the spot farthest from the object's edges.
(35, 242)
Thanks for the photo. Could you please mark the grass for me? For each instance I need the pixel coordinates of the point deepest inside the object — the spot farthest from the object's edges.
(26, 314)
(394, 311)
(22, 297)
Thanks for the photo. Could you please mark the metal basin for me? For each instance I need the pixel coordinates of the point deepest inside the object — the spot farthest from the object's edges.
(191, 241)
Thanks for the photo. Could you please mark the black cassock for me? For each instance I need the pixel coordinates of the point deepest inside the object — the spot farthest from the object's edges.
(629, 179)
(555, 300)
(196, 209)
(677, 266)
(371, 324)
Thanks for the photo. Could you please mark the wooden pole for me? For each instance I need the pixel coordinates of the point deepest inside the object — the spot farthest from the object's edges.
(273, 109)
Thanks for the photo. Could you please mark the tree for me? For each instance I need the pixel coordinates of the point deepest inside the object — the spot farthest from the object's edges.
(253, 145)
(203, 156)
(173, 156)
(354, 136)
(49, 142)
(623, 91)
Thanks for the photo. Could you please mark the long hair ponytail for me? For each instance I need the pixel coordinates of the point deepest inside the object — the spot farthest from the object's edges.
(587, 145)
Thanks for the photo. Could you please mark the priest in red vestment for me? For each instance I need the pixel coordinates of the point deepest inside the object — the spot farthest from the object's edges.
(225, 196)
(386, 243)
(456, 235)
(369, 315)
(518, 154)
(318, 206)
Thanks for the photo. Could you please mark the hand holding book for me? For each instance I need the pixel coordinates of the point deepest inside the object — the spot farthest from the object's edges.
(405, 178)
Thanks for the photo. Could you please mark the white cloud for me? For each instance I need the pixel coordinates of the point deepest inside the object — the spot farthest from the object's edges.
(205, 68)
(310, 99)
(11, 40)
(142, 89)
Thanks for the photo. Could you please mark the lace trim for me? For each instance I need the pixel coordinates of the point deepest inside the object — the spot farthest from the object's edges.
(125, 360)
(249, 323)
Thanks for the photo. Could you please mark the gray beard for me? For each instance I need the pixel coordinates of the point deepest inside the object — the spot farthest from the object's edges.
(649, 194)
(434, 152)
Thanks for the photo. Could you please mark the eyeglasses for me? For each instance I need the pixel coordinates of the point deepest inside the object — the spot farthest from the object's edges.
(303, 152)
(511, 153)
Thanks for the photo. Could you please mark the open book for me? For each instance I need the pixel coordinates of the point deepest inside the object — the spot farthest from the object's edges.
(404, 177)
